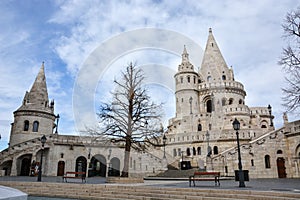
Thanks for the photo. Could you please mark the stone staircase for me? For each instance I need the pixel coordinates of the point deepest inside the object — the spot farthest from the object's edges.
(140, 192)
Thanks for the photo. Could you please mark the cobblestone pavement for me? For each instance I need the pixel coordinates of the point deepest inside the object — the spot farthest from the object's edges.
(283, 185)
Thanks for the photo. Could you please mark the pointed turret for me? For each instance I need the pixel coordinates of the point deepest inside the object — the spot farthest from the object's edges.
(35, 117)
(214, 67)
(185, 63)
(37, 97)
(186, 87)
(38, 93)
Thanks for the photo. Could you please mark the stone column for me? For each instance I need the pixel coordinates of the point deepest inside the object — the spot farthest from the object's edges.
(14, 167)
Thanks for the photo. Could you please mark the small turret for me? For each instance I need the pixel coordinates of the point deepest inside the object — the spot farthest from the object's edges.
(186, 87)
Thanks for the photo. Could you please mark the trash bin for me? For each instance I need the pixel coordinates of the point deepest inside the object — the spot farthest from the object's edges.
(185, 165)
(245, 172)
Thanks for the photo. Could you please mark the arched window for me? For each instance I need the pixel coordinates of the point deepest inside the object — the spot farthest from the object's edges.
(189, 79)
(194, 79)
(174, 153)
(35, 127)
(263, 126)
(223, 102)
(199, 127)
(216, 151)
(252, 162)
(199, 150)
(188, 152)
(26, 125)
(240, 101)
(267, 161)
(194, 151)
(209, 106)
(208, 78)
(279, 151)
(230, 101)
(223, 77)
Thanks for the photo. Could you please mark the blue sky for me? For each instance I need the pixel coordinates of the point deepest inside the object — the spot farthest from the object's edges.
(64, 34)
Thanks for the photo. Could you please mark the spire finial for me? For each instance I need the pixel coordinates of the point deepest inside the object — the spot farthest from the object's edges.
(185, 55)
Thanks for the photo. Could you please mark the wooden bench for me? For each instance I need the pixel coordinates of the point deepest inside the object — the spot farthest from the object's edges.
(74, 175)
(204, 176)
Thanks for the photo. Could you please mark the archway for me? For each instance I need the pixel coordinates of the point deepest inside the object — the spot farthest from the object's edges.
(6, 166)
(60, 168)
(25, 167)
(98, 166)
(81, 164)
(281, 168)
(114, 167)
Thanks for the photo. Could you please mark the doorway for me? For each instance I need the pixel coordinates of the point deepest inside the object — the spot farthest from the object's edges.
(281, 168)
(60, 168)
(25, 167)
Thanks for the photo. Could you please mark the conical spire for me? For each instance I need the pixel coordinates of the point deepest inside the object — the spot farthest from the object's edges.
(213, 62)
(37, 97)
(185, 63)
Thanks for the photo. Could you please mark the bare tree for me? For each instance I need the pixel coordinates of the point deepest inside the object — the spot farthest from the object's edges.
(290, 60)
(131, 119)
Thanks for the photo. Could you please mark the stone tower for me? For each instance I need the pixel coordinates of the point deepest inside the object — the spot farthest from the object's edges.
(186, 87)
(207, 102)
(35, 117)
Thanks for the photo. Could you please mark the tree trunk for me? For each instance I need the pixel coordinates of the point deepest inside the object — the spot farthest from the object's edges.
(126, 157)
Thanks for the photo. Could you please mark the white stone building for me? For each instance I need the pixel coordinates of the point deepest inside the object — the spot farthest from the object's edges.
(207, 102)
(201, 133)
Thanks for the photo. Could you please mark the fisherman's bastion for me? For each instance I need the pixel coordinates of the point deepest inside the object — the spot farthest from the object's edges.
(200, 135)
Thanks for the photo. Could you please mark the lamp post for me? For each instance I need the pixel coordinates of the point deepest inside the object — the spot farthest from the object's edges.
(164, 142)
(236, 127)
(270, 113)
(57, 119)
(43, 141)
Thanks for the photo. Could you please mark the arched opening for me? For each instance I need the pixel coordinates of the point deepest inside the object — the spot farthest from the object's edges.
(279, 151)
(209, 106)
(98, 166)
(6, 166)
(230, 101)
(60, 168)
(199, 127)
(114, 167)
(223, 101)
(35, 127)
(267, 162)
(81, 164)
(188, 79)
(216, 151)
(188, 152)
(281, 168)
(199, 150)
(240, 101)
(208, 78)
(26, 125)
(25, 167)
(223, 77)
(194, 151)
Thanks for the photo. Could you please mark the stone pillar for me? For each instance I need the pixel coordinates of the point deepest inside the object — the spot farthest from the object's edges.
(14, 167)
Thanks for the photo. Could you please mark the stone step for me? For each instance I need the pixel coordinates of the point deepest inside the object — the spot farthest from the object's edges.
(141, 192)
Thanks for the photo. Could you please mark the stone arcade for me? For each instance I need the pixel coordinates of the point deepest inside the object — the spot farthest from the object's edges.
(201, 132)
